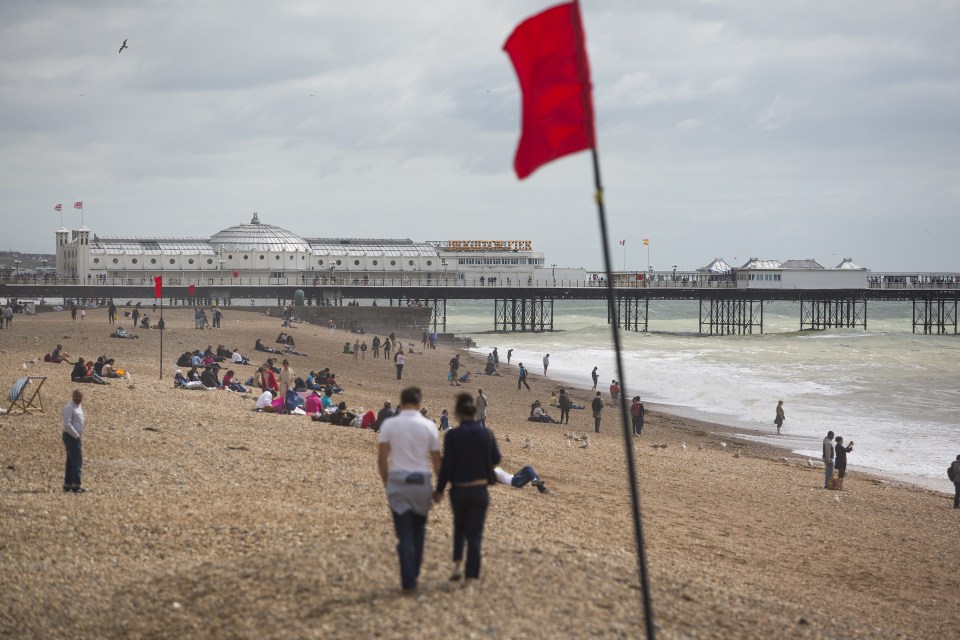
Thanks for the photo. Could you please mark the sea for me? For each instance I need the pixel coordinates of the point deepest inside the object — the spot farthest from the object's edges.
(894, 393)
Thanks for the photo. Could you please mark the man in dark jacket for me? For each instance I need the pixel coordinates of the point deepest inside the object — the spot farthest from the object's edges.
(956, 482)
(383, 414)
(597, 406)
(565, 404)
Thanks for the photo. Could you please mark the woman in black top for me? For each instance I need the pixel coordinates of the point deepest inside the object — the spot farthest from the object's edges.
(840, 463)
(469, 454)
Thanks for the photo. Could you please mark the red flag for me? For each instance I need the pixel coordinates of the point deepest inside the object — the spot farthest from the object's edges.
(158, 286)
(550, 58)
(59, 207)
(192, 289)
(78, 204)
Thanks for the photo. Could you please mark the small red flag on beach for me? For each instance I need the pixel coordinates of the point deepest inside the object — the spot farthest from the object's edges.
(192, 289)
(59, 207)
(550, 58)
(158, 286)
(78, 204)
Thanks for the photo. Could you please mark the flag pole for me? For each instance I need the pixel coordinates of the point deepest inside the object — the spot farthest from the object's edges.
(627, 432)
(162, 327)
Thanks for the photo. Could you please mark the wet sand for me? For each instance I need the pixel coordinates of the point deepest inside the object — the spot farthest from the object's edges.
(206, 519)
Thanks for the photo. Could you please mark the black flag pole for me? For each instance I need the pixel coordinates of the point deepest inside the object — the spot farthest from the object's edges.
(627, 431)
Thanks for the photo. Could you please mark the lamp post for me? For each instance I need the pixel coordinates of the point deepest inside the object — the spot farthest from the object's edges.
(16, 267)
(443, 262)
(553, 274)
(674, 274)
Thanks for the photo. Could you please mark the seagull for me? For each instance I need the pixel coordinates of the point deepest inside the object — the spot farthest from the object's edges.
(585, 445)
(506, 437)
(723, 444)
(700, 447)
(123, 46)
(836, 497)
(683, 445)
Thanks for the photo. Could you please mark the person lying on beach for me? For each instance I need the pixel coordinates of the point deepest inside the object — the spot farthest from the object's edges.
(180, 381)
(123, 333)
(229, 381)
(339, 416)
(521, 479)
(537, 414)
(259, 346)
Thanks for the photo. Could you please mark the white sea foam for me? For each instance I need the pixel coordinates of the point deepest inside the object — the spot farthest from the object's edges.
(891, 391)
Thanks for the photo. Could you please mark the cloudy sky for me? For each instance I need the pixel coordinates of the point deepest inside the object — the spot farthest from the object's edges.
(788, 129)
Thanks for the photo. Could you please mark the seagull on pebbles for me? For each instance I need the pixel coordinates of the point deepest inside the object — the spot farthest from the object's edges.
(683, 445)
(586, 443)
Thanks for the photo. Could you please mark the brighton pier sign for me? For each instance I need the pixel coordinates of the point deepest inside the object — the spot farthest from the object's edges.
(489, 245)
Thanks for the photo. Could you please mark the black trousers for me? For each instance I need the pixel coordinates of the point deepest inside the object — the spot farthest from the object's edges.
(469, 505)
(565, 415)
(522, 381)
(74, 466)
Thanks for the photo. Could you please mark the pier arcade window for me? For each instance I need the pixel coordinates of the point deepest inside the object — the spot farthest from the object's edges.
(190, 261)
(356, 263)
(261, 257)
(429, 263)
(278, 257)
(410, 262)
(96, 261)
(393, 263)
(209, 260)
(339, 262)
(320, 262)
(134, 261)
(245, 257)
(172, 261)
(230, 257)
(153, 261)
(376, 262)
(116, 261)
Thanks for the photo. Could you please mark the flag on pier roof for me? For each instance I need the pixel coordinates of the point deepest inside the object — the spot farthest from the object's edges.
(78, 204)
(59, 207)
(192, 289)
(646, 241)
(623, 243)
(550, 58)
(157, 286)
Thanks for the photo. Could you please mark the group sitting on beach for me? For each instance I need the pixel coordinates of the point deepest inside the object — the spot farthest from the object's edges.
(537, 414)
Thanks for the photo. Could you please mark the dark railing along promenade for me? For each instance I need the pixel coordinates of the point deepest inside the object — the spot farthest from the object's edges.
(528, 305)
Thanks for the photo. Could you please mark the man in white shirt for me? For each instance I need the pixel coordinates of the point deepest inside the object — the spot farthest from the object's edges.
(73, 424)
(409, 446)
(236, 358)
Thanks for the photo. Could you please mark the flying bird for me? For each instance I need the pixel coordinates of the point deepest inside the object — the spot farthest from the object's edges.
(123, 46)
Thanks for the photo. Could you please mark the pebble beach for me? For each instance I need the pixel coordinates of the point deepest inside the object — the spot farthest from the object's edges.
(204, 518)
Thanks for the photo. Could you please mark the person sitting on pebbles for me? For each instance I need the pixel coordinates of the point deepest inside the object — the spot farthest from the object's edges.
(265, 402)
(181, 381)
(537, 414)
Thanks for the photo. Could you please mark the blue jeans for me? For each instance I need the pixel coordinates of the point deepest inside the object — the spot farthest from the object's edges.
(74, 467)
(469, 506)
(524, 477)
(828, 474)
(411, 530)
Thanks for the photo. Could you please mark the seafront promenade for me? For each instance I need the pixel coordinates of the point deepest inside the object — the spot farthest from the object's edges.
(930, 300)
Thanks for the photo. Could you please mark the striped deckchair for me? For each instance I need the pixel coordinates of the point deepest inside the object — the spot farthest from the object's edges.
(18, 395)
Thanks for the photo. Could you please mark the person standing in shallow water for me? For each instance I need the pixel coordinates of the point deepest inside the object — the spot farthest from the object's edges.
(780, 416)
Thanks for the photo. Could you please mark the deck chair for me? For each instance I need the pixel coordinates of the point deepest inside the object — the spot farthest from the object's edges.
(18, 396)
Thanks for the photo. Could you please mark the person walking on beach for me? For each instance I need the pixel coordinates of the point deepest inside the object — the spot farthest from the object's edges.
(136, 317)
(565, 404)
(387, 345)
(597, 406)
(596, 378)
(399, 360)
(469, 453)
(637, 412)
(956, 482)
(509, 355)
(546, 363)
(408, 448)
(828, 454)
(614, 392)
(840, 463)
(522, 377)
(780, 416)
(376, 347)
(481, 403)
(112, 312)
(73, 424)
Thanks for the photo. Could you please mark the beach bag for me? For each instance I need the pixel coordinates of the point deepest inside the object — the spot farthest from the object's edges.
(951, 474)
(291, 400)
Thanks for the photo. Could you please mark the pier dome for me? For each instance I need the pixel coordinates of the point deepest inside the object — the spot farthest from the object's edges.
(257, 236)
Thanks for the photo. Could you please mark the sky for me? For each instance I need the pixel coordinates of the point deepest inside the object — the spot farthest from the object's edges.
(736, 129)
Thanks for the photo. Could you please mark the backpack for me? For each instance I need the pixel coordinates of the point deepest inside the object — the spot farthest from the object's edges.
(951, 473)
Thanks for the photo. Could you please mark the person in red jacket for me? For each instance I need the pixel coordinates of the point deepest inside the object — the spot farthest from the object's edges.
(268, 380)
